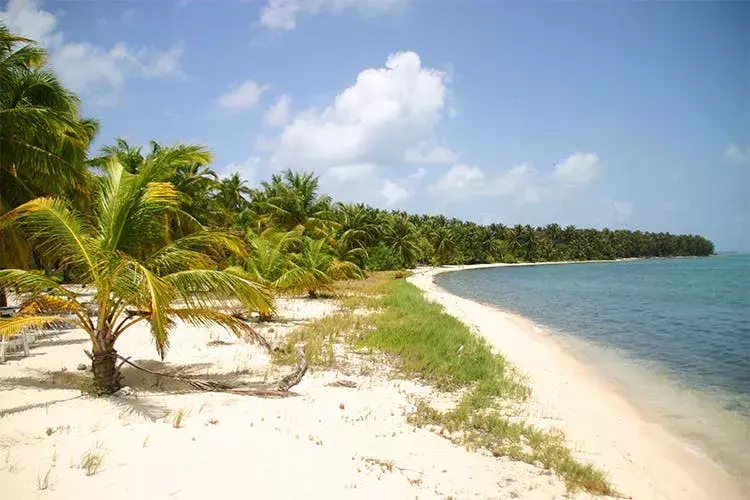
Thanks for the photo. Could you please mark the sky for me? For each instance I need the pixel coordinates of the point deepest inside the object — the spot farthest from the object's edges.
(597, 114)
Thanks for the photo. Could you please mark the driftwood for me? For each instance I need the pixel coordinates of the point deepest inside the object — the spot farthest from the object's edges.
(295, 377)
(280, 390)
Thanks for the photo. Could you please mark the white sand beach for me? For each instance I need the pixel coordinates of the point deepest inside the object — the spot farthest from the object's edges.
(643, 458)
(326, 442)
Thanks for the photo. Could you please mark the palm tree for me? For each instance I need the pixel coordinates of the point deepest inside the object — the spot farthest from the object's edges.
(43, 140)
(232, 195)
(139, 274)
(315, 268)
(270, 255)
(444, 243)
(401, 237)
(195, 182)
(291, 200)
(357, 229)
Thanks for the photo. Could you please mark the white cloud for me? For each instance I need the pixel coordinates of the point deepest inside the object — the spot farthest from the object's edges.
(85, 67)
(90, 69)
(387, 112)
(521, 183)
(426, 153)
(248, 169)
(578, 168)
(26, 17)
(393, 192)
(352, 173)
(461, 178)
(282, 15)
(278, 114)
(733, 154)
(623, 209)
(463, 181)
(243, 96)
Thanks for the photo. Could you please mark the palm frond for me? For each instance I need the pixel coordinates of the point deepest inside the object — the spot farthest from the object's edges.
(14, 325)
(203, 288)
(210, 317)
(59, 232)
(48, 304)
(31, 282)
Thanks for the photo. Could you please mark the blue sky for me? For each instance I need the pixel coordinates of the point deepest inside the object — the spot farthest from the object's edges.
(633, 115)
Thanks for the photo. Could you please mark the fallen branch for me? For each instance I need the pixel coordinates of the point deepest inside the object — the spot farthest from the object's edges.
(295, 377)
(281, 389)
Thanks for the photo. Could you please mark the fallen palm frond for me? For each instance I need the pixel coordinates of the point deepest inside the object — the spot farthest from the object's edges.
(280, 389)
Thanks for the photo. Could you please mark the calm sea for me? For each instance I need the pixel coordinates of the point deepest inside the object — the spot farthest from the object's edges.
(674, 334)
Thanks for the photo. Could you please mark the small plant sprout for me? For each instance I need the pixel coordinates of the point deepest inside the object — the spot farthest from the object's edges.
(93, 459)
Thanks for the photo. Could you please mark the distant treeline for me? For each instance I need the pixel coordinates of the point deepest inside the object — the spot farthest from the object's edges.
(378, 239)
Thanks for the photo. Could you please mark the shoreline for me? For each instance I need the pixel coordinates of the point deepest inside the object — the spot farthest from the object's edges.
(644, 458)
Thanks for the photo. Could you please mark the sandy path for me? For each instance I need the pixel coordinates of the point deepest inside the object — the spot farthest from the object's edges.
(643, 459)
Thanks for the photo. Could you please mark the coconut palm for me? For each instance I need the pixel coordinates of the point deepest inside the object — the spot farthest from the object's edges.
(124, 253)
(271, 254)
(315, 268)
(43, 140)
(401, 237)
(444, 244)
(292, 200)
(232, 196)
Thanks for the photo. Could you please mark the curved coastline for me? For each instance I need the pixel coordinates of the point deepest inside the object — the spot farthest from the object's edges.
(644, 458)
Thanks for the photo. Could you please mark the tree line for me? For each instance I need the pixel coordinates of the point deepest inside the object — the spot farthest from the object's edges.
(160, 236)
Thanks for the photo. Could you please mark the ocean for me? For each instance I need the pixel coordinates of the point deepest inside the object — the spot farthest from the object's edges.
(672, 334)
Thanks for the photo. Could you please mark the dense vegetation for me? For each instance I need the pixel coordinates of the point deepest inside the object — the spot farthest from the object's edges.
(160, 236)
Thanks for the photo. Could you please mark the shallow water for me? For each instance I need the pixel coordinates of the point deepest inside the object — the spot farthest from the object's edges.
(674, 334)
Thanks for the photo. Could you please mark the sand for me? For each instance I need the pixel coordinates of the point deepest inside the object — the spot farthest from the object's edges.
(643, 458)
(327, 442)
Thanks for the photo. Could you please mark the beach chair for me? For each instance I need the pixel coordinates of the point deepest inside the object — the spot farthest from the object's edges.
(7, 312)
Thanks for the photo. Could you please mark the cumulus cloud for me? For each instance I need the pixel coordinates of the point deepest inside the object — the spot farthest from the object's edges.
(393, 192)
(521, 183)
(91, 69)
(734, 154)
(85, 67)
(578, 168)
(465, 181)
(242, 96)
(281, 15)
(387, 112)
(278, 114)
(387, 118)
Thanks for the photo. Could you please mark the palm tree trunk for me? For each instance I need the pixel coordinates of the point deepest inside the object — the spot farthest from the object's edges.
(3, 298)
(106, 378)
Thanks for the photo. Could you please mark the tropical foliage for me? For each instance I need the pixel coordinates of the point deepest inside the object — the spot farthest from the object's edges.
(160, 237)
(124, 253)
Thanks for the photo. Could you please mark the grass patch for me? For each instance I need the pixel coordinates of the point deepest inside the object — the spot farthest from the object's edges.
(427, 343)
(320, 335)
(92, 460)
(432, 345)
(319, 338)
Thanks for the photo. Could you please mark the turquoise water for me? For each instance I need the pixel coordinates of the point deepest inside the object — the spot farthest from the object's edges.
(673, 333)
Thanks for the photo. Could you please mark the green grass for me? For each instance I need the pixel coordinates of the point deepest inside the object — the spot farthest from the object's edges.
(426, 343)
(432, 345)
